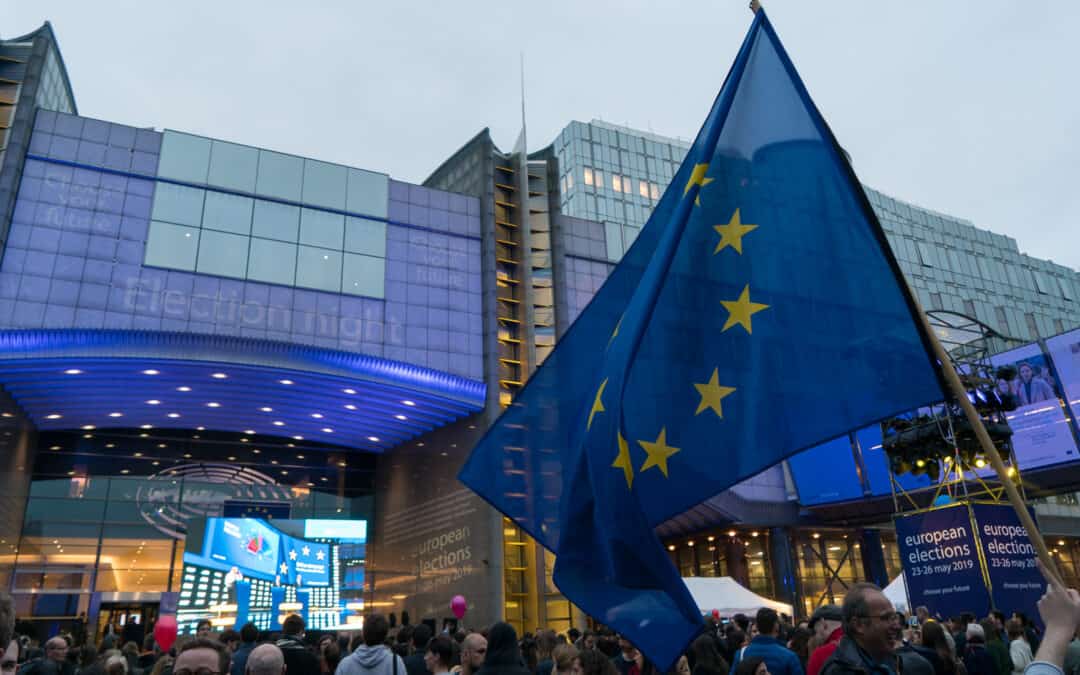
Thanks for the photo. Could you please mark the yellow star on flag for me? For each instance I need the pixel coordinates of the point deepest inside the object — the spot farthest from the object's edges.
(615, 332)
(740, 311)
(598, 405)
(697, 177)
(712, 392)
(732, 234)
(623, 461)
(658, 452)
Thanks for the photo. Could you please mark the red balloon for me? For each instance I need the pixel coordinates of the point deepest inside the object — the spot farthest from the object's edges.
(716, 614)
(457, 606)
(165, 632)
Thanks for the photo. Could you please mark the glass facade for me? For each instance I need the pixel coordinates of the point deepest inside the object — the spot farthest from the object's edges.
(52, 93)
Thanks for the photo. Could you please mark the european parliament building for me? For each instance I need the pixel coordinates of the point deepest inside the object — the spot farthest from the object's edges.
(191, 327)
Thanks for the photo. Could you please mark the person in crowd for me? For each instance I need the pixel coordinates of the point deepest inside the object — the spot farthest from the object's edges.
(752, 665)
(998, 617)
(231, 639)
(56, 661)
(545, 644)
(734, 644)
(573, 635)
(1019, 649)
(204, 628)
(866, 648)
(249, 635)
(415, 663)
(958, 632)
(799, 642)
(130, 650)
(201, 656)
(9, 643)
(1060, 611)
(88, 661)
(163, 666)
(922, 614)
(936, 649)
(706, 657)
(329, 656)
(298, 659)
(593, 662)
(778, 659)
(997, 648)
(626, 660)
(265, 660)
(977, 658)
(149, 654)
(373, 657)
(1030, 387)
(827, 623)
(527, 645)
(473, 651)
(503, 655)
(439, 655)
(117, 664)
(563, 658)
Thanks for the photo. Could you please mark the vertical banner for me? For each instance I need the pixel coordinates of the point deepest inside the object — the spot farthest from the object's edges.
(243, 603)
(1015, 582)
(940, 556)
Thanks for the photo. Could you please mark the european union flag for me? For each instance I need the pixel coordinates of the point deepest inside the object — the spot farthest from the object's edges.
(760, 312)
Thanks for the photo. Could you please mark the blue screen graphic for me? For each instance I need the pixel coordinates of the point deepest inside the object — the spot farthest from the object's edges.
(304, 563)
(826, 473)
(245, 543)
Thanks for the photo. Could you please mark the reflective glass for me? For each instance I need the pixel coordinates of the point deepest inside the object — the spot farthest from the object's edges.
(319, 228)
(272, 261)
(365, 236)
(276, 221)
(171, 246)
(324, 184)
(184, 157)
(318, 268)
(279, 175)
(233, 166)
(613, 236)
(363, 275)
(178, 204)
(222, 254)
(368, 193)
(229, 213)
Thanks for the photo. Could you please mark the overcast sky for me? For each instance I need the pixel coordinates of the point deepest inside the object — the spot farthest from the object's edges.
(968, 108)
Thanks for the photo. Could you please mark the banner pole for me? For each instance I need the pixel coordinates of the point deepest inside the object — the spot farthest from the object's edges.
(952, 379)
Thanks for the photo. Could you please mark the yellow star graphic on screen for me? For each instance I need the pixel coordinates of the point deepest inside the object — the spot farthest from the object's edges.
(697, 177)
(712, 392)
(740, 311)
(623, 461)
(732, 233)
(598, 405)
(658, 452)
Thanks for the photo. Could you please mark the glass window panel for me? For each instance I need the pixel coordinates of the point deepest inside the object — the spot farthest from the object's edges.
(363, 275)
(233, 166)
(178, 204)
(222, 254)
(172, 246)
(276, 221)
(229, 213)
(280, 175)
(319, 228)
(630, 234)
(368, 192)
(184, 157)
(318, 268)
(324, 184)
(613, 236)
(365, 236)
(588, 176)
(272, 261)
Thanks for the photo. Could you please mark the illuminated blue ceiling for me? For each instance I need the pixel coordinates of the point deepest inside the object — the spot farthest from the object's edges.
(67, 379)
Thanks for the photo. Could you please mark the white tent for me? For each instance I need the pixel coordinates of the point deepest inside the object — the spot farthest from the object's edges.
(896, 592)
(729, 597)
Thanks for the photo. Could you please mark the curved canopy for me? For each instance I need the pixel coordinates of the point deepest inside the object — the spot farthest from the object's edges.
(729, 597)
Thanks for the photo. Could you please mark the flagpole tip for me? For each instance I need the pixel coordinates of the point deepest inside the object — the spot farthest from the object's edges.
(755, 5)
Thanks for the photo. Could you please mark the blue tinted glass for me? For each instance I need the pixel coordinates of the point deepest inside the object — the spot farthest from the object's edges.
(233, 166)
(363, 275)
(184, 157)
(318, 268)
(222, 254)
(276, 221)
(272, 261)
(279, 175)
(368, 192)
(171, 246)
(178, 204)
(613, 234)
(324, 184)
(226, 212)
(319, 228)
(365, 236)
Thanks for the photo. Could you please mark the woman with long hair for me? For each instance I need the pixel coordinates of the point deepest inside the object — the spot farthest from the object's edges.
(706, 657)
(503, 653)
(933, 638)
(593, 662)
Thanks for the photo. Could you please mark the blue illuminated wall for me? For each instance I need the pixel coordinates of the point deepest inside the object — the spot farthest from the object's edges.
(75, 259)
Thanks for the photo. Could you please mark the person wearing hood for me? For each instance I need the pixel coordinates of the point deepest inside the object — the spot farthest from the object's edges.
(373, 657)
(503, 654)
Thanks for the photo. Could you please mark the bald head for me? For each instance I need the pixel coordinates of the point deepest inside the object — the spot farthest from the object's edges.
(265, 660)
(473, 651)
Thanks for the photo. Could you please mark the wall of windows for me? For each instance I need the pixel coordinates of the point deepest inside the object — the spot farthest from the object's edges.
(302, 234)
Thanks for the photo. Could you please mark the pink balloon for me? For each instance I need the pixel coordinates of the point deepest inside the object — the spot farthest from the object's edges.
(457, 606)
(165, 631)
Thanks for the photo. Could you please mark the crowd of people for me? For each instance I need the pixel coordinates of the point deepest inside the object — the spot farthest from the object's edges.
(863, 636)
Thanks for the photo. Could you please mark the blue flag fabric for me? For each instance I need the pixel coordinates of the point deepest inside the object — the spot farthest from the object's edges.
(760, 312)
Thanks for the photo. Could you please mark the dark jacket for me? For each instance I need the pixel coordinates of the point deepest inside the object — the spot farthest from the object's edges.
(848, 659)
(978, 661)
(912, 662)
(503, 654)
(999, 651)
(240, 657)
(298, 659)
(778, 659)
(414, 663)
